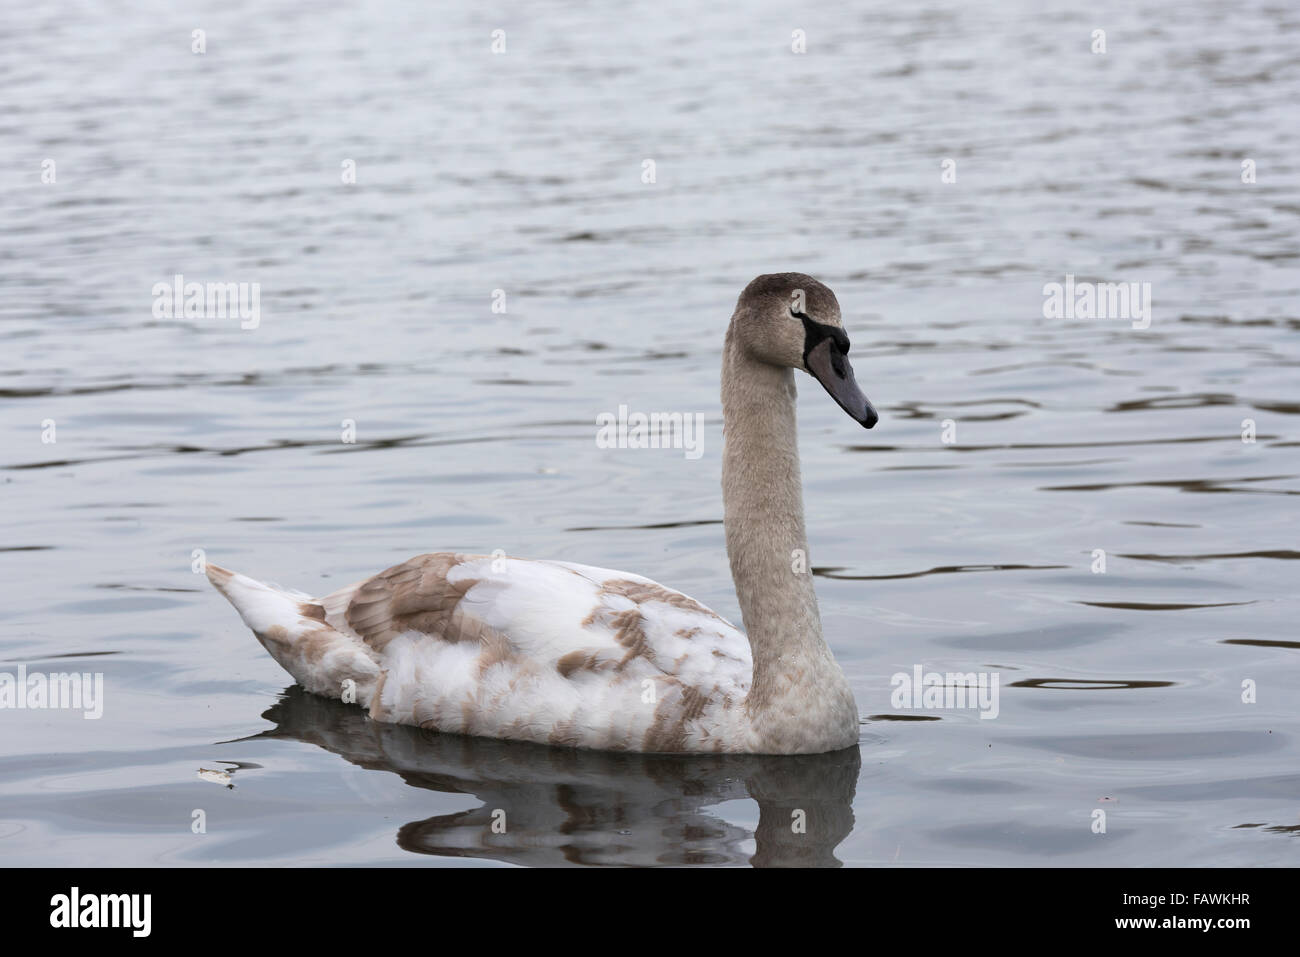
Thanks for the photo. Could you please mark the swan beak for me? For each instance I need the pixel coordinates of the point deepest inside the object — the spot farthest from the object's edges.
(831, 368)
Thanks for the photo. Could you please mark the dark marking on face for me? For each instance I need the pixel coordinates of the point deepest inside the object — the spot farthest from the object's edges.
(825, 357)
(815, 332)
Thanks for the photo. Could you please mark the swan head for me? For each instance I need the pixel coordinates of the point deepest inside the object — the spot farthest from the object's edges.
(790, 320)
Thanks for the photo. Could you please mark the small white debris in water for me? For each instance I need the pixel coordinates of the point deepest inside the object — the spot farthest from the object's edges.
(216, 777)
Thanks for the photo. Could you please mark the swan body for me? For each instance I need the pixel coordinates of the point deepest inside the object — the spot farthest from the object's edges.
(550, 652)
(578, 656)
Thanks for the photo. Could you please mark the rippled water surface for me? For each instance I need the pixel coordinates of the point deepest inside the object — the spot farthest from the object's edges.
(1121, 692)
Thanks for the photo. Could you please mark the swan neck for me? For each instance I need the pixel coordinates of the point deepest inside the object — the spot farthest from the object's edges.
(763, 509)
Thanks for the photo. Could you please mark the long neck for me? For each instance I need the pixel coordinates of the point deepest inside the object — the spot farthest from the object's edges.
(768, 548)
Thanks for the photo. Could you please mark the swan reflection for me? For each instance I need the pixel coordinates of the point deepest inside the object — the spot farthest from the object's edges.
(559, 806)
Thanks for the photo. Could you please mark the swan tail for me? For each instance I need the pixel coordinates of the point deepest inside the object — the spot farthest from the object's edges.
(292, 627)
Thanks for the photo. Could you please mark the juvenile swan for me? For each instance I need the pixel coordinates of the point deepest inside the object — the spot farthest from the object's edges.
(578, 656)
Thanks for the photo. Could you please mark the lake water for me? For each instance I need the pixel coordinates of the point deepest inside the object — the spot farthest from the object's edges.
(1162, 693)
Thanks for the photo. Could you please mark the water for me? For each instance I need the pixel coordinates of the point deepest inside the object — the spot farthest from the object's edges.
(1121, 692)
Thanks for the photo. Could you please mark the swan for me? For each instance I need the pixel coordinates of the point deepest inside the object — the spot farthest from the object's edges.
(578, 656)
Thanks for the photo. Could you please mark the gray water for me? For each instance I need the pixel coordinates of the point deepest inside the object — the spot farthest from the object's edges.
(1121, 692)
